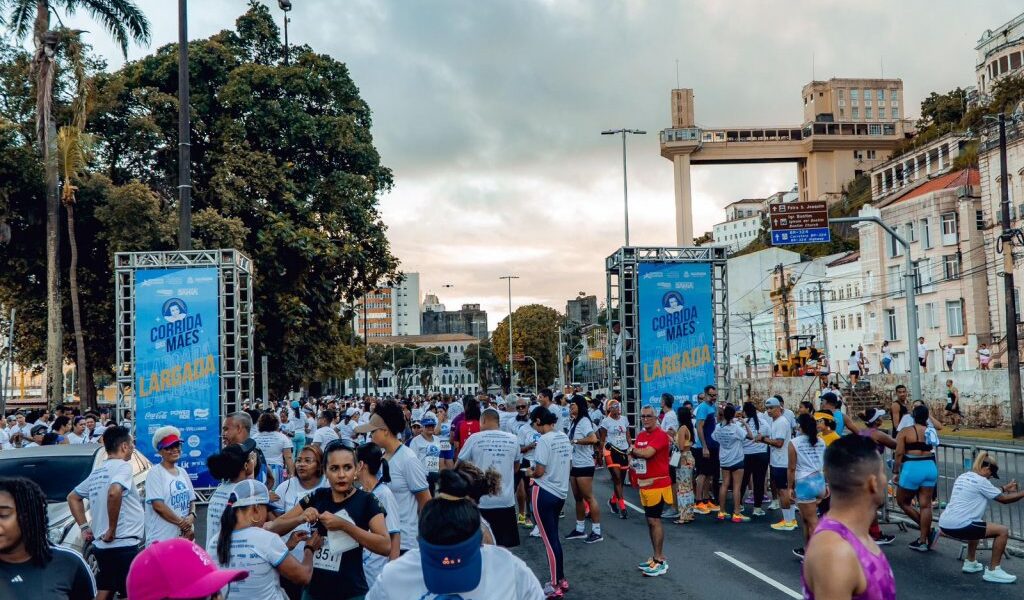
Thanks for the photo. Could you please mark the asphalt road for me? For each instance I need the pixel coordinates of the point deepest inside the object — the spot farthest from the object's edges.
(711, 560)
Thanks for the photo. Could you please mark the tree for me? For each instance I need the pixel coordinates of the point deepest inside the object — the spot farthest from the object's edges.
(427, 361)
(942, 110)
(705, 238)
(378, 358)
(125, 22)
(491, 369)
(534, 333)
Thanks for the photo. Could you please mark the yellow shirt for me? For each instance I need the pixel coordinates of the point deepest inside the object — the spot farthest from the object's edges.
(829, 437)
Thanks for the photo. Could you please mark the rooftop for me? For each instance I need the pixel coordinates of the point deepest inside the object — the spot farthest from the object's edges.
(950, 180)
(851, 257)
(420, 340)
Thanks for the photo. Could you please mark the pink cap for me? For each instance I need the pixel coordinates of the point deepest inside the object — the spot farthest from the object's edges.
(177, 569)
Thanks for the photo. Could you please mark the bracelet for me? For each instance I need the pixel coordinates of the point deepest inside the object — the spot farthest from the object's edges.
(85, 526)
(310, 549)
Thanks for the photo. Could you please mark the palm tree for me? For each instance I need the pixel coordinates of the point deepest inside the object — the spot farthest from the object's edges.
(125, 22)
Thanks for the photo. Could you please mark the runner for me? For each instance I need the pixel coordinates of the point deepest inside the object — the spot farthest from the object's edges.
(706, 453)
(178, 569)
(670, 424)
(918, 475)
(527, 439)
(806, 460)
(963, 517)
(953, 404)
(443, 430)
(308, 477)
(494, 449)
(550, 472)
(116, 541)
(522, 421)
(616, 428)
(684, 472)
(275, 446)
(870, 426)
(244, 544)
(842, 559)
(30, 566)
(583, 437)
(470, 423)
(731, 434)
(427, 449)
(755, 456)
(649, 461)
(237, 429)
(324, 432)
(229, 466)
(373, 476)
(450, 532)
(899, 409)
(170, 499)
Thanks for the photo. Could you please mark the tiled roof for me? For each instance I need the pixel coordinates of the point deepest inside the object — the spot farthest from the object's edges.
(845, 260)
(953, 179)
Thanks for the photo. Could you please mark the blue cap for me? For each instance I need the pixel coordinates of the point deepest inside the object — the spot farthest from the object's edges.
(428, 421)
(772, 402)
(295, 403)
(452, 569)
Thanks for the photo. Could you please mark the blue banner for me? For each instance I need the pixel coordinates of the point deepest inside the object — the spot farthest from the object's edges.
(177, 363)
(677, 347)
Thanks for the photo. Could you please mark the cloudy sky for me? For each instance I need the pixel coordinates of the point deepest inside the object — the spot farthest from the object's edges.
(490, 112)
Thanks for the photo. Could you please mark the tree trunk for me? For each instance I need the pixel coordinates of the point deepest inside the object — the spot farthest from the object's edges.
(76, 313)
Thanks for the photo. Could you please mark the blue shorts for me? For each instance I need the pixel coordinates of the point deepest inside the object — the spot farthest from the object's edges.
(810, 488)
(916, 474)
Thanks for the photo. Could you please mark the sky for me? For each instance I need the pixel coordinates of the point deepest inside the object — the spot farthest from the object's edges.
(490, 112)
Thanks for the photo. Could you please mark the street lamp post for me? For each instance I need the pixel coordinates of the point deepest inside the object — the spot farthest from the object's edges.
(286, 6)
(536, 384)
(511, 373)
(625, 187)
(184, 135)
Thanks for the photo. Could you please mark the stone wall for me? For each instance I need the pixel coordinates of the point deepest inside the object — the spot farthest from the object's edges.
(984, 395)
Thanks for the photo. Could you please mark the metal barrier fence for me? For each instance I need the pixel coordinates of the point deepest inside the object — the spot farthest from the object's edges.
(955, 459)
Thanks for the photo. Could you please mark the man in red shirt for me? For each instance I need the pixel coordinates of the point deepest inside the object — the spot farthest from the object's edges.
(649, 461)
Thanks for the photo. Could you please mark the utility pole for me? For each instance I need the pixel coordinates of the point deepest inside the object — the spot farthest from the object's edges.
(511, 373)
(784, 291)
(1007, 238)
(9, 372)
(561, 360)
(821, 309)
(366, 355)
(753, 348)
(625, 186)
(184, 134)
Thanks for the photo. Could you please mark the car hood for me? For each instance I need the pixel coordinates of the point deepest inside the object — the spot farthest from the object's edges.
(57, 512)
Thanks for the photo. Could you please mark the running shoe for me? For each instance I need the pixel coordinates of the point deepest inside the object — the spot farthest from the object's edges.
(528, 523)
(919, 546)
(885, 540)
(614, 505)
(647, 564)
(799, 553)
(658, 568)
(701, 508)
(561, 515)
(759, 512)
(996, 575)
(563, 585)
(784, 525)
(593, 538)
(749, 498)
(972, 566)
(933, 536)
(712, 507)
(738, 518)
(774, 505)
(551, 592)
(575, 534)
(721, 516)
(535, 532)
(522, 519)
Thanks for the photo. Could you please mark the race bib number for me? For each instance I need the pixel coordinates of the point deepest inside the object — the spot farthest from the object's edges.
(446, 445)
(325, 559)
(639, 465)
(430, 463)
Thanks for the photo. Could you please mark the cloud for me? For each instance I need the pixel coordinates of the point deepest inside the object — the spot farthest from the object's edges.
(490, 112)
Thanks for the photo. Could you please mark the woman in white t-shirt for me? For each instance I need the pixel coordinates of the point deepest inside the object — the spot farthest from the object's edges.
(77, 433)
(617, 442)
(583, 437)
(276, 446)
(243, 543)
(984, 357)
(806, 475)
(373, 476)
(730, 433)
(963, 517)
(308, 478)
(550, 474)
(229, 466)
(170, 499)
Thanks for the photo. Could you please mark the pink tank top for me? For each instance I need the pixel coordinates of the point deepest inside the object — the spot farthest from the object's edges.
(881, 583)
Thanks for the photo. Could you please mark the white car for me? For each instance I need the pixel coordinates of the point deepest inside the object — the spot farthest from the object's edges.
(58, 469)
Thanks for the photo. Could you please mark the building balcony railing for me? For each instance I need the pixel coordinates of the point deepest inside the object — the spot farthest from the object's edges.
(776, 134)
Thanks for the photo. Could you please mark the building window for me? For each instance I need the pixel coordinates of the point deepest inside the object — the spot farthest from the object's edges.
(841, 93)
(867, 112)
(909, 228)
(858, 155)
(874, 129)
(854, 94)
(881, 113)
(856, 290)
(951, 266)
(842, 321)
(954, 317)
(842, 111)
(842, 102)
(949, 236)
(890, 324)
(895, 104)
(894, 95)
(871, 155)
(895, 248)
(855, 112)
(979, 219)
(835, 323)
(929, 316)
(895, 279)
(926, 233)
(867, 98)
(880, 94)
(860, 321)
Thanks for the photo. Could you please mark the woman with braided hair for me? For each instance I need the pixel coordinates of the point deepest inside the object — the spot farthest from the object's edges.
(30, 566)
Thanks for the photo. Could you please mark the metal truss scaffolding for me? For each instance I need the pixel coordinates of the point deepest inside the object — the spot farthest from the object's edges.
(621, 269)
(236, 319)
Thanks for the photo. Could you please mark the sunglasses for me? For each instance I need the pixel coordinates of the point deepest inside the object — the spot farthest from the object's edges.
(992, 467)
(521, 407)
(335, 444)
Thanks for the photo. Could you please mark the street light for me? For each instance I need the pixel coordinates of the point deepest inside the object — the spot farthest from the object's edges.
(286, 6)
(625, 187)
(184, 134)
(536, 384)
(511, 373)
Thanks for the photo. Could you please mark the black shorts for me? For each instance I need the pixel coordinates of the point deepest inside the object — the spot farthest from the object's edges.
(735, 467)
(974, 531)
(503, 525)
(112, 567)
(618, 457)
(780, 478)
(708, 466)
(581, 472)
(654, 512)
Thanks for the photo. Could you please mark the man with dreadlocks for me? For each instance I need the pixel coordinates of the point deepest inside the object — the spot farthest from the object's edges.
(30, 567)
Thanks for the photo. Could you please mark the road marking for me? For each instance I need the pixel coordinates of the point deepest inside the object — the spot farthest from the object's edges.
(761, 576)
(634, 507)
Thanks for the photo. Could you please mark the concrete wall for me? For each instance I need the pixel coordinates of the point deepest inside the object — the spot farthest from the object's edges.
(984, 399)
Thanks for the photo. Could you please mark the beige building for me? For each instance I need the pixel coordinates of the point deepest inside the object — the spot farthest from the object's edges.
(849, 126)
(1000, 53)
(743, 220)
(941, 218)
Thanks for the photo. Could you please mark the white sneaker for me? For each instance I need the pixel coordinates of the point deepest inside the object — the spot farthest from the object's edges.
(759, 512)
(774, 505)
(972, 566)
(535, 532)
(998, 575)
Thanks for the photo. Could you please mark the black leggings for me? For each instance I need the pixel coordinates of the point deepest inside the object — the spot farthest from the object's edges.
(546, 507)
(756, 466)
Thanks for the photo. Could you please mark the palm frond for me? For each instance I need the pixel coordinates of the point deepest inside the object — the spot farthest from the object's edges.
(22, 18)
(122, 18)
(73, 149)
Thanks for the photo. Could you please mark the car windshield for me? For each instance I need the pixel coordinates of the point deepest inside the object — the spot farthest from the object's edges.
(56, 475)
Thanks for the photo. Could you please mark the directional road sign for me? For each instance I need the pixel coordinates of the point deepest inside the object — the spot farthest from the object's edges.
(799, 223)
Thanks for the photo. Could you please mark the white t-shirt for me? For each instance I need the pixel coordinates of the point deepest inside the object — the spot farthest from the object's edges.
(429, 452)
(624, 336)
(764, 426)
(670, 423)
(273, 444)
(596, 416)
(617, 430)
(291, 491)
(130, 521)
(73, 438)
(174, 490)
(214, 511)
(259, 552)
(507, 422)
(730, 439)
(564, 420)
(781, 430)
(950, 354)
(408, 478)
(528, 435)
(554, 453)
(455, 409)
(373, 563)
(582, 455)
(922, 351)
(809, 459)
(323, 435)
(497, 449)
(346, 431)
(968, 502)
(854, 364)
(503, 576)
(791, 419)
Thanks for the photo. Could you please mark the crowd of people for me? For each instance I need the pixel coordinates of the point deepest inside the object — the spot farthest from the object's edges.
(397, 498)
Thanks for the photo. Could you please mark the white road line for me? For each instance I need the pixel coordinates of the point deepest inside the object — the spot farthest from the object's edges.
(761, 576)
(635, 507)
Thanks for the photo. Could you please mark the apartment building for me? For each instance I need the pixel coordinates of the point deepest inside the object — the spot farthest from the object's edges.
(750, 287)
(743, 221)
(794, 300)
(1000, 53)
(841, 100)
(390, 310)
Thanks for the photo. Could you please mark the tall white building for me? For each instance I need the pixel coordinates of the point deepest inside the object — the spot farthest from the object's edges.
(1000, 53)
(390, 311)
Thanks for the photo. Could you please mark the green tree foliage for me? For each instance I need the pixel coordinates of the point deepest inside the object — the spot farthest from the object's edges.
(492, 370)
(534, 333)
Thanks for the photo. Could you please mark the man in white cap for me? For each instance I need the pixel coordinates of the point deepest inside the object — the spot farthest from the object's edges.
(170, 499)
